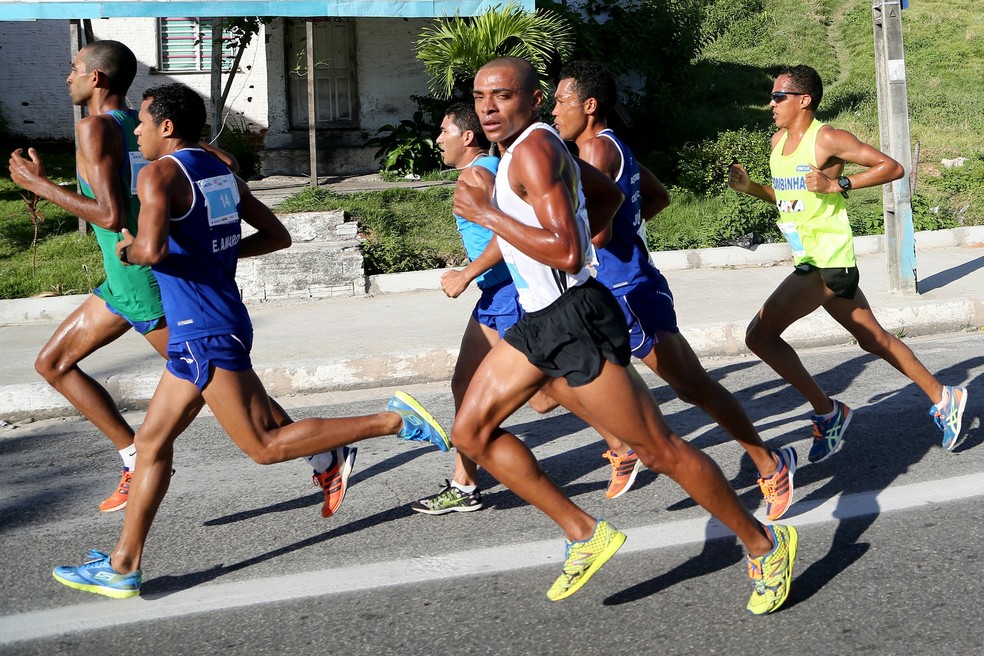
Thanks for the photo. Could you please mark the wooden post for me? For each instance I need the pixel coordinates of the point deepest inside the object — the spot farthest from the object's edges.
(216, 78)
(312, 115)
(77, 41)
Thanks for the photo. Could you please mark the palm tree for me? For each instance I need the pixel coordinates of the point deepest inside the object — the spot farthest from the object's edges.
(453, 49)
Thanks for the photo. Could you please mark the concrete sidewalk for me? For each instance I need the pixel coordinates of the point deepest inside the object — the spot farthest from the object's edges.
(409, 332)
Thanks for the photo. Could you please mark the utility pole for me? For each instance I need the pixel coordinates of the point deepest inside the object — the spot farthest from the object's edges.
(312, 89)
(78, 39)
(893, 121)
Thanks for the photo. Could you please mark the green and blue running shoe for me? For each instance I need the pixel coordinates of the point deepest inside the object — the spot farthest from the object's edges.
(418, 424)
(98, 576)
(950, 416)
(828, 433)
(583, 559)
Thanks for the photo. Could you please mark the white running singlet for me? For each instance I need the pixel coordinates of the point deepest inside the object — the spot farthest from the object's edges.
(538, 284)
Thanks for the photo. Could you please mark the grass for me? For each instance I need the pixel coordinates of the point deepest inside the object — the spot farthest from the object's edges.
(944, 49)
(404, 229)
(67, 262)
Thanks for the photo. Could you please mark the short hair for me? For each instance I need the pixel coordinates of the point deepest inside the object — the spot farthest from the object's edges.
(528, 78)
(184, 108)
(114, 60)
(807, 80)
(463, 115)
(592, 80)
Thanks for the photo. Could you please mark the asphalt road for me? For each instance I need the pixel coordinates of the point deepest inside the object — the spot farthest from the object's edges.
(240, 560)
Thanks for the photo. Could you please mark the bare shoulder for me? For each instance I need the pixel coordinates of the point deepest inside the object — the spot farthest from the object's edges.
(777, 136)
(160, 172)
(601, 153)
(831, 137)
(474, 175)
(98, 127)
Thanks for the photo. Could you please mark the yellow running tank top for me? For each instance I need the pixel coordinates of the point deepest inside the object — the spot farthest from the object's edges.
(815, 225)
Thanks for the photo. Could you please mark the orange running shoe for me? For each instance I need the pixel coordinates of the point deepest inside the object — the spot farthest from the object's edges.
(334, 480)
(117, 500)
(778, 488)
(624, 470)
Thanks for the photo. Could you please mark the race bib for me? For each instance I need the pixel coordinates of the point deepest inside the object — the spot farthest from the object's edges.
(221, 199)
(137, 162)
(793, 237)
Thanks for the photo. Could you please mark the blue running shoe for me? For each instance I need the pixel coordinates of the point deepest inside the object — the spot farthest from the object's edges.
(949, 417)
(828, 433)
(418, 424)
(98, 576)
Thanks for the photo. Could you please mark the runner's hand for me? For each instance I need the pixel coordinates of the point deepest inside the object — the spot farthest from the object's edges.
(738, 177)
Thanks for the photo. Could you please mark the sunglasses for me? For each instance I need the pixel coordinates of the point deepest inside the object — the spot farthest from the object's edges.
(779, 96)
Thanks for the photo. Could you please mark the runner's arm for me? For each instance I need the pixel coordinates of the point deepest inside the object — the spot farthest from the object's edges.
(156, 187)
(97, 160)
(455, 281)
(739, 181)
(602, 198)
(834, 147)
(655, 197)
(543, 176)
(271, 235)
(226, 158)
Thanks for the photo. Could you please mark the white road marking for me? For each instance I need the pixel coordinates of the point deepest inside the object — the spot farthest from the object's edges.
(478, 562)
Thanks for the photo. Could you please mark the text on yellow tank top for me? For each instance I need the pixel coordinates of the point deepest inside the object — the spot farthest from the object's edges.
(815, 225)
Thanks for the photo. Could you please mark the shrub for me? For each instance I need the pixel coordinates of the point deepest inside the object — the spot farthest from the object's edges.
(704, 166)
(407, 148)
(243, 144)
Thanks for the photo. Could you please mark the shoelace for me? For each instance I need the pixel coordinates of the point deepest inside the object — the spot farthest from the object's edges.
(769, 488)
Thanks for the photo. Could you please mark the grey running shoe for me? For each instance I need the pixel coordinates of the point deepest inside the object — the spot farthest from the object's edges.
(449, 499)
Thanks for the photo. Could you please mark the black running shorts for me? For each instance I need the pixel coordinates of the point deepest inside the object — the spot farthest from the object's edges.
(573, 336)
(843, 281)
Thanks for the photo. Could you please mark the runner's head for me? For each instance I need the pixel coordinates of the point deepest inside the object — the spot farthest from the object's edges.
(106, 64)
(507, 98)
(796, 89)
(461, 134)
(169, 111)
(585, 89)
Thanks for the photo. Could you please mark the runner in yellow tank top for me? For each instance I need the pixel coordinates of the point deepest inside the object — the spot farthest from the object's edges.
(808, 188)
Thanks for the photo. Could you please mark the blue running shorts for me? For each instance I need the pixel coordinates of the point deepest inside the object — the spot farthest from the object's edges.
(142, 327)
(499, 307)
(194, 359)
(648, 307)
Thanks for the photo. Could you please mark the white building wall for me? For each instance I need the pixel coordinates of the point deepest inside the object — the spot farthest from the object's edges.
(35, 59)
(389, 72)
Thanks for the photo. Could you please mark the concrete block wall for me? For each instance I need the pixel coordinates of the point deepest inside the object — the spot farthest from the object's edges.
(324, 260)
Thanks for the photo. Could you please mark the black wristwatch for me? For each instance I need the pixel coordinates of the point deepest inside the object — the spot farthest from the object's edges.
(123, 257)
(845, 184)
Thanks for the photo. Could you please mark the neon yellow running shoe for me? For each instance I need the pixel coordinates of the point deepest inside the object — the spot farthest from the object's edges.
(772, 573)
(583, 559)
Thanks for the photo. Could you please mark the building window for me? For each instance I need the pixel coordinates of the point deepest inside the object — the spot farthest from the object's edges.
(336, 81)
(186, 45)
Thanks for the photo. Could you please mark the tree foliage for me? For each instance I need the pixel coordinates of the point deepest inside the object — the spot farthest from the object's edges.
(453, 49)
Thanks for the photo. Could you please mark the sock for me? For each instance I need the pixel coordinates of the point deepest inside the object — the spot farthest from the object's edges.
(321, 462)
(830, 415)
(129, 455)
(467, 489)
(946, 398)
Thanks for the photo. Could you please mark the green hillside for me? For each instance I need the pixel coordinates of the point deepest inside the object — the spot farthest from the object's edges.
(728, 95)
